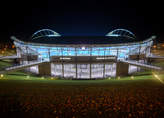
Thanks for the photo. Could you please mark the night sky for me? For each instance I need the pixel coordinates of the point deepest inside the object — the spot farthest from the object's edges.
(82, 18)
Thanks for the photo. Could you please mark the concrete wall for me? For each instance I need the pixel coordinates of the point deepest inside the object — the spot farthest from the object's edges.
(122, 69)
(45, 69)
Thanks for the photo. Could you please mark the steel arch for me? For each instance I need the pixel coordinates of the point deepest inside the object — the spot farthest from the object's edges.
(44, 32)
(121, 32)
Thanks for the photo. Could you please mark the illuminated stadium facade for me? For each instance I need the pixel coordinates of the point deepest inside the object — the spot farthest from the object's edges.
(83, 57)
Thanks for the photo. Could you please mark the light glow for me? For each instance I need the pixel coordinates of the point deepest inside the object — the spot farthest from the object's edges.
(42, 77)
(163, 45)
(1, 75)
(132, 77)
(154, 46)
(27, 77)
(158, 78)
(83, 48)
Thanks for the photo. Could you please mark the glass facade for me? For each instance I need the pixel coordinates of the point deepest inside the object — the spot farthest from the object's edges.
(121, 52)
(85, 71)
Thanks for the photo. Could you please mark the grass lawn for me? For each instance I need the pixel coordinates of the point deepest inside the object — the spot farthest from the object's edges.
(5, 63)
(23, 95)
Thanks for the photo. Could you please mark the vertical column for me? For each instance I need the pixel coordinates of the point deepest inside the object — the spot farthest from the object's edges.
(104, 66)
(90, 76)
(139, 55)
(26, 56)
(145, 57)
(19, 55)
(62, 70)
(62, 63)
(49, 54)
(116, 63)
(45, 69)
(122, 69)
(148, 49)
(18, 52)
(103, 70)
(139, 49)
(76, 70)
(90, 59)
(117, 53)
(76, 60)
(129, 51)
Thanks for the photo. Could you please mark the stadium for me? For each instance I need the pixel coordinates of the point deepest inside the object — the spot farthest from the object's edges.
(118, 53)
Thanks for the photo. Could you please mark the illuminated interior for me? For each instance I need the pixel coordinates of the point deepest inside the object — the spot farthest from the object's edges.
(74, 69)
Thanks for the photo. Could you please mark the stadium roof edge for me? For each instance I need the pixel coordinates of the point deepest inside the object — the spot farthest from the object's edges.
(74, 45)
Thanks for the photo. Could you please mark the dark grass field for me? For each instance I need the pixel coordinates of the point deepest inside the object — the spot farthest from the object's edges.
(30, 96)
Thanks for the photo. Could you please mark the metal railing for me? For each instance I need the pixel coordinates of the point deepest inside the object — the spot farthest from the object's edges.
(9, 57)
(21, 66)
(141, 64)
